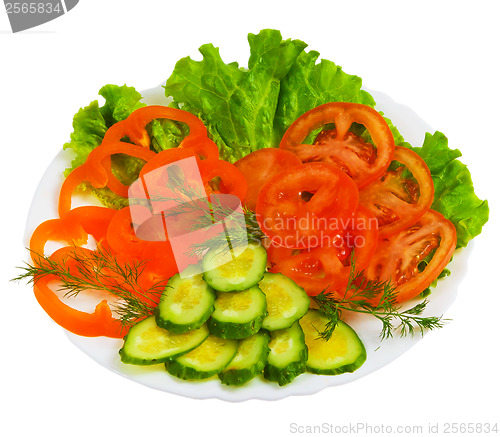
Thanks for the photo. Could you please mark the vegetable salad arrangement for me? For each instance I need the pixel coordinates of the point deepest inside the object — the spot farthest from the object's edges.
(337, 213)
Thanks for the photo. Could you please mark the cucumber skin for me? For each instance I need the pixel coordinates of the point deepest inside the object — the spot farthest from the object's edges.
(239, 377)
(287, 374)
(347, 368)
(127, 359)
(188, 373)
(235, 331)
(176, 328)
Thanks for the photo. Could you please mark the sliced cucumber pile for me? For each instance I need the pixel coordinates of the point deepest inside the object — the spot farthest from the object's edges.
(343, 352)
(238, 322)
(185, 304)
(229, 271)
(238, 314)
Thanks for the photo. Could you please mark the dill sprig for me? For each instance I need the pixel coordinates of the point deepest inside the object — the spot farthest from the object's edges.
(358, 297)
(100, 270)
(236, 233)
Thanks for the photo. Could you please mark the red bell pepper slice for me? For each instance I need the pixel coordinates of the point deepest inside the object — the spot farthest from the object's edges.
(74, 228)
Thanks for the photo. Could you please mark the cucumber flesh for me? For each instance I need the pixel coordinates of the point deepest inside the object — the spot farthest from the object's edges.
(238, 314)
(146, 343)
(286, 301)
(343, 352)
(227, 270)
(249, 360)
(287, 356)
(186, 304)
(208, 359)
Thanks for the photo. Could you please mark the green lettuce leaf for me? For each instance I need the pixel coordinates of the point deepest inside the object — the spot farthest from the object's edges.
(237, 105)
(309, 84)
(247, 109)
(91, 123)
(89, 127)
(454, 195)
(166, 134)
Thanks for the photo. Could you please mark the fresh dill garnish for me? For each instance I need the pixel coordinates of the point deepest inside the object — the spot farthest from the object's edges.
(99, 269)
(359, 296)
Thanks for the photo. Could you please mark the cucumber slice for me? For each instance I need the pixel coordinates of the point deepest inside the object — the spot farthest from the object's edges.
(343, 352)
(208, 359)
(238, 314)
(287, 356)
(185, 304)
(146, 343)
(229, 270)
(248, 362)
(286, 301)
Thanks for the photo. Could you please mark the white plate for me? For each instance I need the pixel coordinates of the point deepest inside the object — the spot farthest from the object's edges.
(105, 350)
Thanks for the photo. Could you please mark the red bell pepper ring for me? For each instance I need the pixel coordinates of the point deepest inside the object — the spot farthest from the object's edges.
(134, 127)
(93, 171)
(74, 228)
(230, 179)
(203, 147)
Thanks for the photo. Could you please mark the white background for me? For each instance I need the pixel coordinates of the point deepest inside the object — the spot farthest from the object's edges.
(440, 58)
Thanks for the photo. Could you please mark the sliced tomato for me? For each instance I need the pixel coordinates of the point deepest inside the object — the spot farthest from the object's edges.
(300, 206)
(327, 267)
(259, 166)
(398, 258)
(399, 200)
(314, 269)
(362, 161)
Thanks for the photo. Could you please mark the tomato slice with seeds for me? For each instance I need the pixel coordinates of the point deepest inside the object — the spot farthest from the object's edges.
(259, 166)
(399, 200)
(314, 269)
(397, 258)
(362, 161)
(327, 267)
(302, 205)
